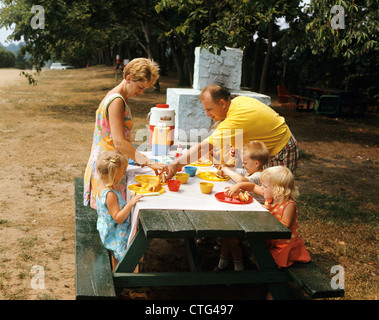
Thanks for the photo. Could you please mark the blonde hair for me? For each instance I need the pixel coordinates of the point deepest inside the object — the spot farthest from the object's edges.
(108, 164)
(283, 182)
(142, 69)
(256, 150)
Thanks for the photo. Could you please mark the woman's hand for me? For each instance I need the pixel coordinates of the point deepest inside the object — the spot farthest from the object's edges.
(172, 168)
(157, 167)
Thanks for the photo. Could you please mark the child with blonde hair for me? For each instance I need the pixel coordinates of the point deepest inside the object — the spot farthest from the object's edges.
(255, 156)
(280, 192)
(113, 222)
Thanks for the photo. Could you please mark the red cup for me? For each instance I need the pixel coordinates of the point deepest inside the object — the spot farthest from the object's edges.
(173, 185)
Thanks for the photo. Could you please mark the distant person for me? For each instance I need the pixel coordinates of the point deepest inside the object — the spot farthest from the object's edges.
(113, 211)
(114, 124)
(242, 114)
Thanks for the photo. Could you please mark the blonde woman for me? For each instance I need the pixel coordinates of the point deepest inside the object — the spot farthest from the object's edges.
(114, 124)
(113, 212)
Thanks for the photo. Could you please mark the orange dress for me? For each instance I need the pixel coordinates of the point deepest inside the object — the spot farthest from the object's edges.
(286, 251)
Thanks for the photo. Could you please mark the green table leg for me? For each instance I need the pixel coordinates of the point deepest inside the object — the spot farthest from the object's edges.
(267, 263)
(134, 253)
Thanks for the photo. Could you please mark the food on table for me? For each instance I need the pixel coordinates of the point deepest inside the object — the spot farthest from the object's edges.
(202, 162)
(155, 187)
(242, 195)
(150, 179)
(223, 197)
(212, 176)
(162, 177)
(147, 183)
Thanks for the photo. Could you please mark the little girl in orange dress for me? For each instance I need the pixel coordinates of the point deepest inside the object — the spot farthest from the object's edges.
(279, 191)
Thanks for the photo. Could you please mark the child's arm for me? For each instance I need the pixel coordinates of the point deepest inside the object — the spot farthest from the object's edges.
(289, 215)
(118, 215)
(235, 176)
(247, 186)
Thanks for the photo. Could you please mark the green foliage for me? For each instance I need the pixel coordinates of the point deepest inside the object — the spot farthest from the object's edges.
(7, 59)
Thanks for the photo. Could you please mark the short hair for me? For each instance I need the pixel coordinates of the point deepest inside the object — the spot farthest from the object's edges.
(257, 150)
(217, 93)
(283, 181)
(108, 163)
(142, 69)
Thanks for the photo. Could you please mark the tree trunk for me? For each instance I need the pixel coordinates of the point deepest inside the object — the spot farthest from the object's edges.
(253, 82)
(262, 85)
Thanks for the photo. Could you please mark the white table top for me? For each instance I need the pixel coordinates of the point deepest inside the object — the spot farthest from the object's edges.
(189, 196)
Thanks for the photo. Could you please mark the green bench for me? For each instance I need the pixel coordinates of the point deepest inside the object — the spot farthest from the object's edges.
(93, 274)
(94, 278)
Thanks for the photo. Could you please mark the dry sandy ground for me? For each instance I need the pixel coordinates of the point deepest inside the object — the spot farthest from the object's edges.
(45, 140)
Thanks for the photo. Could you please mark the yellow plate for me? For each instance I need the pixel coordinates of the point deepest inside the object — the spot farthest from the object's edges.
(143, 189)
(204, 163)
(209, 176)
(149, 179)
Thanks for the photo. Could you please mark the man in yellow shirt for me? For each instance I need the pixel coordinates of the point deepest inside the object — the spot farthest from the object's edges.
(242, 119)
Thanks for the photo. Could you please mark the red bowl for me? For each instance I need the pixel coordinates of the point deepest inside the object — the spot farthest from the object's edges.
(173, 185)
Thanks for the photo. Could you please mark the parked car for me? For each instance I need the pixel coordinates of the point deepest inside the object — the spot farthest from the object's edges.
(60, 66)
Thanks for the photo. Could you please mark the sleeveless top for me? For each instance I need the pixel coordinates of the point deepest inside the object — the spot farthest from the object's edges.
(103, 141)
(113, 235)
(286, 251)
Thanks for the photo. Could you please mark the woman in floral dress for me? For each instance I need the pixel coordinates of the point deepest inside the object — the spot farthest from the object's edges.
(114, 124)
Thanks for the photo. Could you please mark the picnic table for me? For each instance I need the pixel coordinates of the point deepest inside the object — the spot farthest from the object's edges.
(187, 214)
(335, 101)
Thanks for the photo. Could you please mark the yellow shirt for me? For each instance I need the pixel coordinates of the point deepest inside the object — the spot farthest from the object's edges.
(249, 119)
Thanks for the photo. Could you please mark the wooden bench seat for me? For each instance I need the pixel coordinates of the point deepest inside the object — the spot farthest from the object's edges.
(93, 273)
(313, 281)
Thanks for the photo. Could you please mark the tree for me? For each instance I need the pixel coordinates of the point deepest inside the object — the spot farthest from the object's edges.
(353, 40)
(7, 59)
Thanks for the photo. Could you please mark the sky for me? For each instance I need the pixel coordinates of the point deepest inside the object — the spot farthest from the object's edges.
(4, 33)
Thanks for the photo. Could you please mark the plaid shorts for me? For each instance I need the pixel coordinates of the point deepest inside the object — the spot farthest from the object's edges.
(286, 157)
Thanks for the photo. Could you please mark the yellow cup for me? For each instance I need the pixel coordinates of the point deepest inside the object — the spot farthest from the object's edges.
(206, 187)
(183, 177)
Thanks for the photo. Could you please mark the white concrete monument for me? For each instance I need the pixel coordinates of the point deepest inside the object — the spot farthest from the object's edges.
(191, 122)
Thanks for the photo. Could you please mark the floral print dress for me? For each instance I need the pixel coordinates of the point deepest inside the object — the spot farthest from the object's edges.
(103, 141)
(113, 235)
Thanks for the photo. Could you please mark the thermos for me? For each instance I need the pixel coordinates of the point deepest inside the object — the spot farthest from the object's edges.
(161, 139)
(162, 112)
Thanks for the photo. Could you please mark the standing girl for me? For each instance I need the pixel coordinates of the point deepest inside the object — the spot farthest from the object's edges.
(113, 211)
(279, 191)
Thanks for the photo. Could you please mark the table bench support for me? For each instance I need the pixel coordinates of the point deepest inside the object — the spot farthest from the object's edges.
(197, 278)
(193, 256)
(134, 253)
(266, 264)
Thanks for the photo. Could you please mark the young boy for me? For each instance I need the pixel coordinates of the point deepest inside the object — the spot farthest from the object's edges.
(255, 156)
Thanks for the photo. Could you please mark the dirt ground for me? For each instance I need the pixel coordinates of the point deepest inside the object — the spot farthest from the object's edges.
(45, 140)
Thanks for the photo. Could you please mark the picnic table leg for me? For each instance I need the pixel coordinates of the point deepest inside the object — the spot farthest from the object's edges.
(267, 263)
(134, 253)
